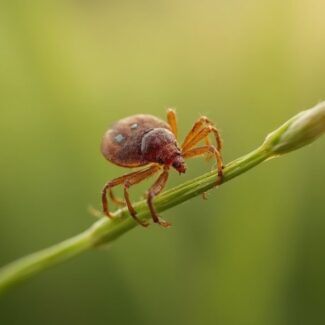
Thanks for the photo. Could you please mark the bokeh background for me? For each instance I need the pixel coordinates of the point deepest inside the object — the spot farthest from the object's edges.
(254, 253)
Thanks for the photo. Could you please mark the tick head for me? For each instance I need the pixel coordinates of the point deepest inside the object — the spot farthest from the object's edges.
(179, 164)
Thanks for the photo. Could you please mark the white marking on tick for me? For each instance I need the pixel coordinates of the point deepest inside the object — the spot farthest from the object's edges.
(134, 126)
(119, 138)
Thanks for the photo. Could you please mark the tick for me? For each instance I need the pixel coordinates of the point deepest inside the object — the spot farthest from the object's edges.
(145, 140)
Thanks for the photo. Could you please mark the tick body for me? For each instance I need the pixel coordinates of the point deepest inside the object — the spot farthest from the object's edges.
(148, 142)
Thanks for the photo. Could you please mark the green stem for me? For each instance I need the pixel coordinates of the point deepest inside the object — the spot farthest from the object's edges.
(287, 136)
(106, 230)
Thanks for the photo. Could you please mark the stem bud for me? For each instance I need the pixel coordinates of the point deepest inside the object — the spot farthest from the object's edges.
(299, 131)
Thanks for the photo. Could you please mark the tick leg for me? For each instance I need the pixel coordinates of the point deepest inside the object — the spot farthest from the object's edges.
(155, 189)
(116, 200)
(208, 143)
(115, 182)
(108, 186)
(171, 118)
(135, 179)
(203, 150)
(201, 122)
(202, 134)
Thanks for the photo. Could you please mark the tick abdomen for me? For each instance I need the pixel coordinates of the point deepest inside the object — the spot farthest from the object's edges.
(121, 143)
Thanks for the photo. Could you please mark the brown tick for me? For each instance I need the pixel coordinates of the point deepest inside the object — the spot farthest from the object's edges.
(145, 140)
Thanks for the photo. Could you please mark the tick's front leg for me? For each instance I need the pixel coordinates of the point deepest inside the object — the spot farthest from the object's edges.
(107, 188)
(202, 151)
(200, 130)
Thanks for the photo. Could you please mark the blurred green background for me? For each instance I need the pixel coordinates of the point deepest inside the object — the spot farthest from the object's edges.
(254, 253)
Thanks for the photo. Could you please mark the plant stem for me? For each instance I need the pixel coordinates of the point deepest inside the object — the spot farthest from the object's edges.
(298, 131)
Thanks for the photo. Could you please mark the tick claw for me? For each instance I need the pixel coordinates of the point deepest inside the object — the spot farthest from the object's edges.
(107, 214)
(204, 195)
(144, 224)
(164, 223)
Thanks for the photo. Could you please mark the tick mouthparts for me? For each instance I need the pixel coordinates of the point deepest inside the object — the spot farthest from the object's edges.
(179, 164)
(182, 169)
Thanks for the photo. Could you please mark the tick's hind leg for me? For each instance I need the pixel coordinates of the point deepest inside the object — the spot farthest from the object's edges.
(107, 188)
(118, 181)
(155, 189)
(116, 200)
